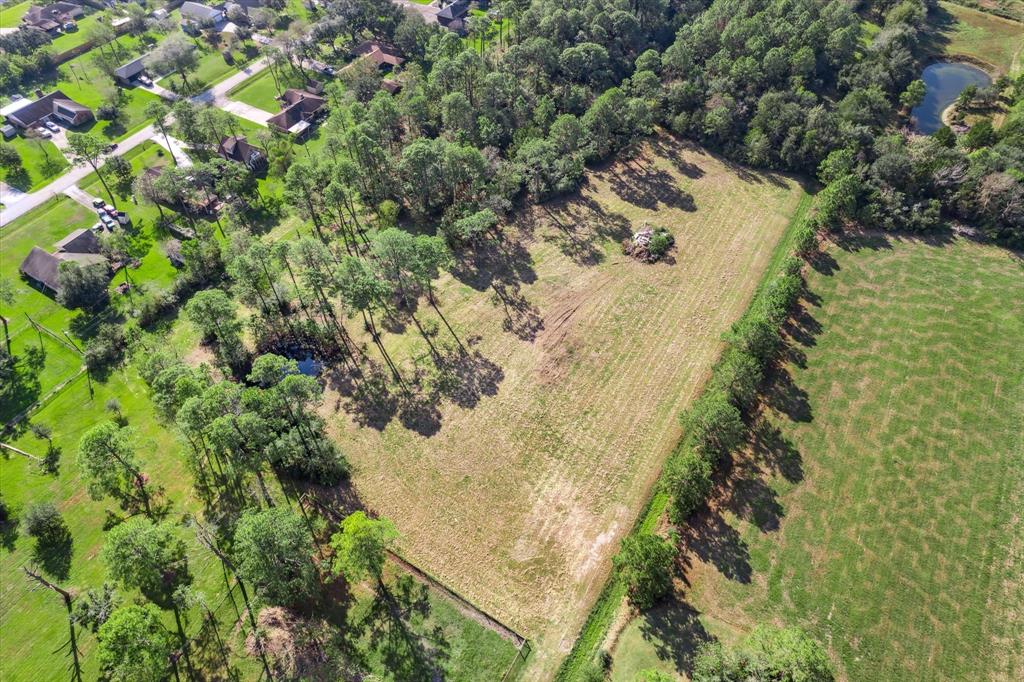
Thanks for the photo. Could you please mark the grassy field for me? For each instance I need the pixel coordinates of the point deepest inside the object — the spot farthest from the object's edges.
(41, 160)
(11, 14)
(981, 36)
(261, 91)
(879, 505)
(517, 491)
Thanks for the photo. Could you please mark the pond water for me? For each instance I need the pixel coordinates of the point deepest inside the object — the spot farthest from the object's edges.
(944, 82)
(309, 366)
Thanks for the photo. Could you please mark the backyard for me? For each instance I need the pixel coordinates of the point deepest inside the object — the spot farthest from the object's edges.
(41, 162)
(900, 548)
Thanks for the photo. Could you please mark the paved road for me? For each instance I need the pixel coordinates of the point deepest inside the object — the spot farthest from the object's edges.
(29, 201)
(15, 206)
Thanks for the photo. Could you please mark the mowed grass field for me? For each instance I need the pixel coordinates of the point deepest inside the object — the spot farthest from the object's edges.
(880, 507)
(982, 36)
(518, 493)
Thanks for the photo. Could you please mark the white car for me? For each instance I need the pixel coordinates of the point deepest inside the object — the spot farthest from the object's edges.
(52, 126)
(146, 80)
(43, 132)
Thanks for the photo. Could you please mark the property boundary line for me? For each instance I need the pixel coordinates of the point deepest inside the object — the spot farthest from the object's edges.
(478, 614)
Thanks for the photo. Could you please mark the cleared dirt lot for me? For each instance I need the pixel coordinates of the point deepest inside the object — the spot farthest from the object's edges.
(517, 492)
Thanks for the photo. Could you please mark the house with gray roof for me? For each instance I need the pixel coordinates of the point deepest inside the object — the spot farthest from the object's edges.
(42, 268)
(56, 105)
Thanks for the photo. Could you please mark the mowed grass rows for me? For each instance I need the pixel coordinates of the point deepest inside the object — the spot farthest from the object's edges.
(881, 507)
(518, 497)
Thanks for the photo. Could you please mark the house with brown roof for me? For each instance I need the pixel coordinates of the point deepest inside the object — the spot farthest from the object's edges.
(56, 105)
(300, 110)
(81, 247)
(52, 17)
(238, 149)
(384, 56)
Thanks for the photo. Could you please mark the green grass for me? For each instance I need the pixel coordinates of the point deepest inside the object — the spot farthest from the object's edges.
(261, 91)
(41, 160)
(880, 507)
(10, 15)
(982, 37)
(67, 41)
(211, 69)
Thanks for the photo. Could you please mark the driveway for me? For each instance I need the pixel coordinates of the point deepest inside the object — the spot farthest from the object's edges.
(15, 209)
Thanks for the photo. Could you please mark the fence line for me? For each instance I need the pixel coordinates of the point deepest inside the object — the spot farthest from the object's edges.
(464, 604)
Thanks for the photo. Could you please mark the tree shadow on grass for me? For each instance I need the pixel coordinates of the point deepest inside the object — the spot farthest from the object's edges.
(786, 397)
(777, 452)
(581, 225)
(646, 186)
(53, 554)
(24, 387)
(711, 539)
(676, 632)
(398, 632)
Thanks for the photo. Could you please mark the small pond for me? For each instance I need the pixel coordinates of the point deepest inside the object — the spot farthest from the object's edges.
(944, 82)
(309, 366)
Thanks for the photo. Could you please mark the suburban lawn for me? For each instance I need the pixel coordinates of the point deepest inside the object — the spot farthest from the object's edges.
(879, 504)
(41, 160)
(11, 14)
(982, 36)
(261, 91)
(516, 492)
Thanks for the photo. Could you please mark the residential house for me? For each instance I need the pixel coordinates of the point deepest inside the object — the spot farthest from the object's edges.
(300, 110)
(126, 73)
(384, 56)
(239, 150)
(42, 268)
(56, 105)
(195, 15)
(453, 17)
(51, 17)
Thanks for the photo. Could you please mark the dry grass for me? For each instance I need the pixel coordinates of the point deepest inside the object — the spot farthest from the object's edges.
(517, 492)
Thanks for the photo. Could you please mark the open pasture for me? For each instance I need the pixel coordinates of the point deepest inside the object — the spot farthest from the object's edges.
(516, 492)
(879, 506)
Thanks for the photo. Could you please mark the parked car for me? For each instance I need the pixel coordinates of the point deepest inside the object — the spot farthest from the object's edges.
(43, 132)
(146, 80)
(98, 227)
(97, 202)
(110, 210)
(108, 221)
(52, 126)
(111, 147)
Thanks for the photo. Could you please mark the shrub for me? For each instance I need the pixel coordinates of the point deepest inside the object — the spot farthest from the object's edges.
(645, 564)
(106, 348)
(757, 335)
(687, 479)
(713, 425)
(767, 653)
(661, 241)
(43, 522)
(739, 375)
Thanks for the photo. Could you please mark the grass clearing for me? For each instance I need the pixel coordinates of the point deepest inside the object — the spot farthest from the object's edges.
(880, 506)
(982, 37)
(41, 160)
(582, 359)
(11, 14)
(261, 90)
